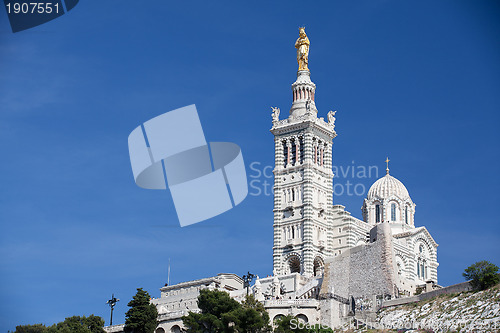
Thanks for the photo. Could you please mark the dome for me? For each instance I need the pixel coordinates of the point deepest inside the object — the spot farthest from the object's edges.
(387, 186)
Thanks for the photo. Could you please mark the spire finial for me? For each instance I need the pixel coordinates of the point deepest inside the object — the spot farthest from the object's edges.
(387, 169)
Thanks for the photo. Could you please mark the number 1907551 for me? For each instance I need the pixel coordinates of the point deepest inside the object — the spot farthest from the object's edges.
(32, 7)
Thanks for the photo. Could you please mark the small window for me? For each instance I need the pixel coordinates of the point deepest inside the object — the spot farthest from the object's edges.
(340, 241)
(340, 230)
(377, 213)
(393, 212)
(285, 153)
(421, 249)
(406, 214)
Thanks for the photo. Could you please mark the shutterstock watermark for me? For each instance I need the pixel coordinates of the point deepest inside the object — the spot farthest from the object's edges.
(348, 180)
(352, 324)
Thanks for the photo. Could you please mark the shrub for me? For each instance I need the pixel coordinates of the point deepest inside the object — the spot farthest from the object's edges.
(483, 274)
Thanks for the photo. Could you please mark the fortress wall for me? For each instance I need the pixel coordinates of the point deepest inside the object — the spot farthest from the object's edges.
(363, 271)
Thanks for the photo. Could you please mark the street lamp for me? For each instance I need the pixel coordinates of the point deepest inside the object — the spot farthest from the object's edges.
(246, 281)
(112, 303)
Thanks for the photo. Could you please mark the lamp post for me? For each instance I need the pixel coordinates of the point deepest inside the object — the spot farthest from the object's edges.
(112, 303)
(246, 281)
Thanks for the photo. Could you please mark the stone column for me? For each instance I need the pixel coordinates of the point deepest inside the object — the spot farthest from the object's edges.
(297, 148)
(277, 189)
(308, 250)
(288, 150)
(329, 199)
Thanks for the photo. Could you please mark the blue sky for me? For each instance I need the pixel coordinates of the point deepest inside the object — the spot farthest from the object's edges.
(418, 81)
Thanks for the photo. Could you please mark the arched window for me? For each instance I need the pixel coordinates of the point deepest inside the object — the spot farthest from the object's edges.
(294, 264)
(318, 267)
(302, 318)
(406, 214)
(393, 212)
(301, 152)
(377, 213)
(175, 329)
(293, 232)
(285, 153)
(422, 269)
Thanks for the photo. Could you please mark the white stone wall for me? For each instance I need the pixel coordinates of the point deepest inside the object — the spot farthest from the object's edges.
(179, 299)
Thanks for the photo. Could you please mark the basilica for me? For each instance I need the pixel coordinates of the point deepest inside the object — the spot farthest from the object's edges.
(327, 264)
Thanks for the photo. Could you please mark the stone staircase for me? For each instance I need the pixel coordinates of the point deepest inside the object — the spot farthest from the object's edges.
(309, 290)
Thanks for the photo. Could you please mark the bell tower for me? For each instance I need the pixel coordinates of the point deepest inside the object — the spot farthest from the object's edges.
(303, 188)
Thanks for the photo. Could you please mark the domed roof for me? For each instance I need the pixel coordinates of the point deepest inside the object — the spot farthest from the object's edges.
(386, 187)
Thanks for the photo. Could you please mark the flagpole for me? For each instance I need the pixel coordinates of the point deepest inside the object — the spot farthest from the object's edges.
(168, 279)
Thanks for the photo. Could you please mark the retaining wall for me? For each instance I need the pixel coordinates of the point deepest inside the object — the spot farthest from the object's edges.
(454, 288)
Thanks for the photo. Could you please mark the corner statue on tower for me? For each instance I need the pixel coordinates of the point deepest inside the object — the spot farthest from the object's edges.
(302, 46)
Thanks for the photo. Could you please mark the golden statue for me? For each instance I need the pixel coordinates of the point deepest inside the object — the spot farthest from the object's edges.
(302, 46)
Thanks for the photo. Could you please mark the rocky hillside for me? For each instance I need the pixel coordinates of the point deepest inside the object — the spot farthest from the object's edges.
(465, 312)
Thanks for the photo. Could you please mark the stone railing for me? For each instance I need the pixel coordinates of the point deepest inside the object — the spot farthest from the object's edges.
(336, 297)
(290, 302)
(114, 329)
(303, 117)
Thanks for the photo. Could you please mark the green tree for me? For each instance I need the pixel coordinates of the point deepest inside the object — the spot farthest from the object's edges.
(215, 307)
(142, 317)
(95, 324)
(254, 316)
(288, 324)
(36, 328)
(78, 324)
(220, 314)
(483, 274)
(75, 324)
